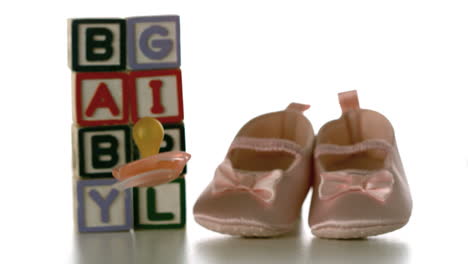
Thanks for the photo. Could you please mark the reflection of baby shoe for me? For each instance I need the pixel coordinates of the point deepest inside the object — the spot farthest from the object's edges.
(259, 188)
(360, 188)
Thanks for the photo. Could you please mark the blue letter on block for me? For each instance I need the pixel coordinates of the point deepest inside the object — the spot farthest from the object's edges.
(153, 42)
(104, 203)
(164, 46)
(102, 208)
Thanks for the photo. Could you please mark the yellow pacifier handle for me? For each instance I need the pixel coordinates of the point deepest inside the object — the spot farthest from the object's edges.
(148, 134)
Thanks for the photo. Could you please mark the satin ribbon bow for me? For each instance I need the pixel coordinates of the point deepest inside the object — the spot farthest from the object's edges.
(376, 184)
(260, 184)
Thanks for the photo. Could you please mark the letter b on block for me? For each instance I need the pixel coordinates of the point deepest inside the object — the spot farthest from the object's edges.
(101, 149)
(153, 42)
(98, 45)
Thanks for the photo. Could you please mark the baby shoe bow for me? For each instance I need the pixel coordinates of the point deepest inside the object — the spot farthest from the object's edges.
(376, 184)
(260, 184)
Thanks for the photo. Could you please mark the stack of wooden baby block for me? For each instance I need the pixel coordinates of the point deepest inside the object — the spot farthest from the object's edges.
(123, 70)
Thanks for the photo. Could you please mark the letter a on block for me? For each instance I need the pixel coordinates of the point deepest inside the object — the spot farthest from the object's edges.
(102, 99)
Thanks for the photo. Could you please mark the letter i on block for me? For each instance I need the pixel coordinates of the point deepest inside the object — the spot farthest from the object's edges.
(101, 98)
(98, 45)
(102, 208)
(153, 42)
(157, 94)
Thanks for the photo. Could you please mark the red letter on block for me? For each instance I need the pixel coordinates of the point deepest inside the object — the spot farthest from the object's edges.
(157, 108)
(157, 94)
(102, 98)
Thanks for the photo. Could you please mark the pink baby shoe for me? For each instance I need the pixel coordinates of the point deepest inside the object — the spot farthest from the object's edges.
(359, 187)
(259, 188)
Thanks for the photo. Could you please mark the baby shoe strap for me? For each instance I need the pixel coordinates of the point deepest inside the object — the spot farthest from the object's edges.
(371, 144)
(348, 101)
(332, 149)
(297, 107)
(266, 145)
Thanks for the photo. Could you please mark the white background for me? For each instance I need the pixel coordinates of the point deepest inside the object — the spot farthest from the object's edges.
(407, 58)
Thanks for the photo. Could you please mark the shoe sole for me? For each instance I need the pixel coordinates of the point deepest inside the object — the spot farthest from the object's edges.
(241, 229)
(340, 232)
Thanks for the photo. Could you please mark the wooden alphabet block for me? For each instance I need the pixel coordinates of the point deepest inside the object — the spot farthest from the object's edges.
(157, 94)
(101, 98)
(98, 44)
(124, 69)
(153, 42)
(102, 208)
(160, 207)
(100, 149)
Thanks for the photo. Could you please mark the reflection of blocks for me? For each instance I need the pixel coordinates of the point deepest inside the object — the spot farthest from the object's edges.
(174, 139)
(160, 207)
(102, 208)
(157, 94)
(101, 98)
(112, 247)
(98, 44)
(100, 149)
(153, 42)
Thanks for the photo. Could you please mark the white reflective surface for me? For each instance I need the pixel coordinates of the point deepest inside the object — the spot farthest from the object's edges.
(195, 245)
(183, 246)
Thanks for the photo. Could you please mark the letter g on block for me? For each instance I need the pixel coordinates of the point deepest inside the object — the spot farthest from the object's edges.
(156, 49)
(153, 42)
